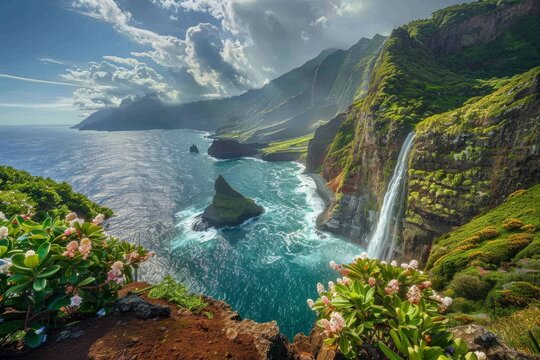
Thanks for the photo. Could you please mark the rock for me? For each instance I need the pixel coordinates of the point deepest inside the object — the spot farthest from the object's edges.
(231, 149)
(318, 146)
(69, 334)
(282, 156)
(228, 208)
(312, 347)
(194, 149)
(142, 309)
(480, 339)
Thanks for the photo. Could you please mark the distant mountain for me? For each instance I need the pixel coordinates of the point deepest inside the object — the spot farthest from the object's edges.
(291, 105)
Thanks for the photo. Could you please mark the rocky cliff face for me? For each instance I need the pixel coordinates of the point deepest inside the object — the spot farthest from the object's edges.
(430, 67)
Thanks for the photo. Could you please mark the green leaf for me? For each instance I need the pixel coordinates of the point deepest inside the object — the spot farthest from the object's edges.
(460, 347)
(391, 355)
(3, 250)
(19, 278)
(48, 272)
(40, 284)
(10, 327)
(16, 289)
(58, 301)
(43, 250)
(87, 281)
(18, 260)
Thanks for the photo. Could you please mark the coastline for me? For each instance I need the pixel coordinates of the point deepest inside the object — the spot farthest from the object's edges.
(322, 190)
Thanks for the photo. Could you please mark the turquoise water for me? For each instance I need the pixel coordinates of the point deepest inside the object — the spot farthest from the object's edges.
(265, 269)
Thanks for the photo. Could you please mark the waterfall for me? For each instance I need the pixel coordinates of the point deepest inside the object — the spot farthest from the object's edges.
(383, 241)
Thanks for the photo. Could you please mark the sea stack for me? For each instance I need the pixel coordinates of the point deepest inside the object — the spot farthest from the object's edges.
(194, 149)
(228, 208)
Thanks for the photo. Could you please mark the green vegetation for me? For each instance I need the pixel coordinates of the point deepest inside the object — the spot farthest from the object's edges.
(177, 293)
(299, 144)
(51, 272)
(519, 329)
(491, 265)
(24, 194)
(388, 309)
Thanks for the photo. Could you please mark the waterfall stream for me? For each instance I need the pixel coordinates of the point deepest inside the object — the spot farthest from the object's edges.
(383, 240)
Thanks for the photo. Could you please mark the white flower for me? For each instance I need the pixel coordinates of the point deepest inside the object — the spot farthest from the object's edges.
(320, 288)
(76, 301)
(480, 355)
(394, 263)
(383, 262)
(310, 303)
(4, 232)
(2, 216)
(30, 253)
(413, 265)
(404, 265)
(447, 301)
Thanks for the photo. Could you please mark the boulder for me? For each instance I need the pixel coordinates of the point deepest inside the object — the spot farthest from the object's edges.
(479, 338)
(194, 149)
(142, 309)
(228, 208)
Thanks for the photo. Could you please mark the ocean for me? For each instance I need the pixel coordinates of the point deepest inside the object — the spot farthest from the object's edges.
(265, 269)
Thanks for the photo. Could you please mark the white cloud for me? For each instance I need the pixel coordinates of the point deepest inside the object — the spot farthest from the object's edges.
(114, 79)
(52, 61)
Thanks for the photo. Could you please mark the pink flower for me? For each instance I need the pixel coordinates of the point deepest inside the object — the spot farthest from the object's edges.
(325, 324)
(86, 246)
(337, 322)
(333, 265)
(71, 248)
(69, 289)
(344, 272)
(346, 281)
(76, 301)
(148, 256)
(70, 231)
(414, 295)
(310, 303)
(372, 281)
(115, 274)
(98, 220)
(132, 257)
(320, 288)
(71, 216)
(325, 300)
(117, 265)
(392, 287)
(425, 285)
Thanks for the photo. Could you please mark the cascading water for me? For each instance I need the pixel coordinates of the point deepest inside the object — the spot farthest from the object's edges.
(383, 241)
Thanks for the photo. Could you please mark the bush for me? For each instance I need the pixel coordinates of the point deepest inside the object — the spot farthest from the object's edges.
(530, 228)
(177, 293)
(388, 309)
(57, 269)
(462, 305)
(514, 294)
(489, 232)
(469, 287)
(512, 224)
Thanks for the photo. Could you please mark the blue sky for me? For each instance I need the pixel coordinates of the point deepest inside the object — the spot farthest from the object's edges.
(62, 60)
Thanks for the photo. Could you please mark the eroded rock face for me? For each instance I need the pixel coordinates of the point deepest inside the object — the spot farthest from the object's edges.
(228, 208)
(231, 149)
(318, 146)
(480, 339)
(270, 343)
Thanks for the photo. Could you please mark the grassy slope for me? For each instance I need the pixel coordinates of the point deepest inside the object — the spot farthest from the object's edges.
(492, 270)
(298, 144)
(22, 193)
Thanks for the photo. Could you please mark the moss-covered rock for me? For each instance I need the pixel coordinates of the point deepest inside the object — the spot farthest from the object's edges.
(228, 208)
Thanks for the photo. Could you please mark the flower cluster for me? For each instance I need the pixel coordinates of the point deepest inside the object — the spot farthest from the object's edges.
(63, 267)
(369, 295)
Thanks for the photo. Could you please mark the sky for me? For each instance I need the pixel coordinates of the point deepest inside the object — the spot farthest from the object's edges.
(61, 60)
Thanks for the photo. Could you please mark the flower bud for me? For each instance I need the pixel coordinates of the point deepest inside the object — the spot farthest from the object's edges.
(31, 260)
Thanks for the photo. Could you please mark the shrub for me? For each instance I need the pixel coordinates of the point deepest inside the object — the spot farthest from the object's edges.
(471, 240)
(489, 232)
(516, 193)
(177, 293)
(530, 228)
(57, 269)
(388, 309)
(512, 224)
(469, 287)
(462, 305)
(514, 294)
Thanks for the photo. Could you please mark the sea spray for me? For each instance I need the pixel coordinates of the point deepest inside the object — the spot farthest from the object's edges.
(383, 241)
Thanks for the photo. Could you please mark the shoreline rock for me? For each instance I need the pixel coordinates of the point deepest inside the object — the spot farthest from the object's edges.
(228, 208)
(194, 149)
(232, 149)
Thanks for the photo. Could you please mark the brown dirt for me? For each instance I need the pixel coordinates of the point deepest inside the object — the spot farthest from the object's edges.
(123, 336)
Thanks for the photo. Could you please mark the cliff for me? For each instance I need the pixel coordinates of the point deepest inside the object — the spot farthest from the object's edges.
(430, 67)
